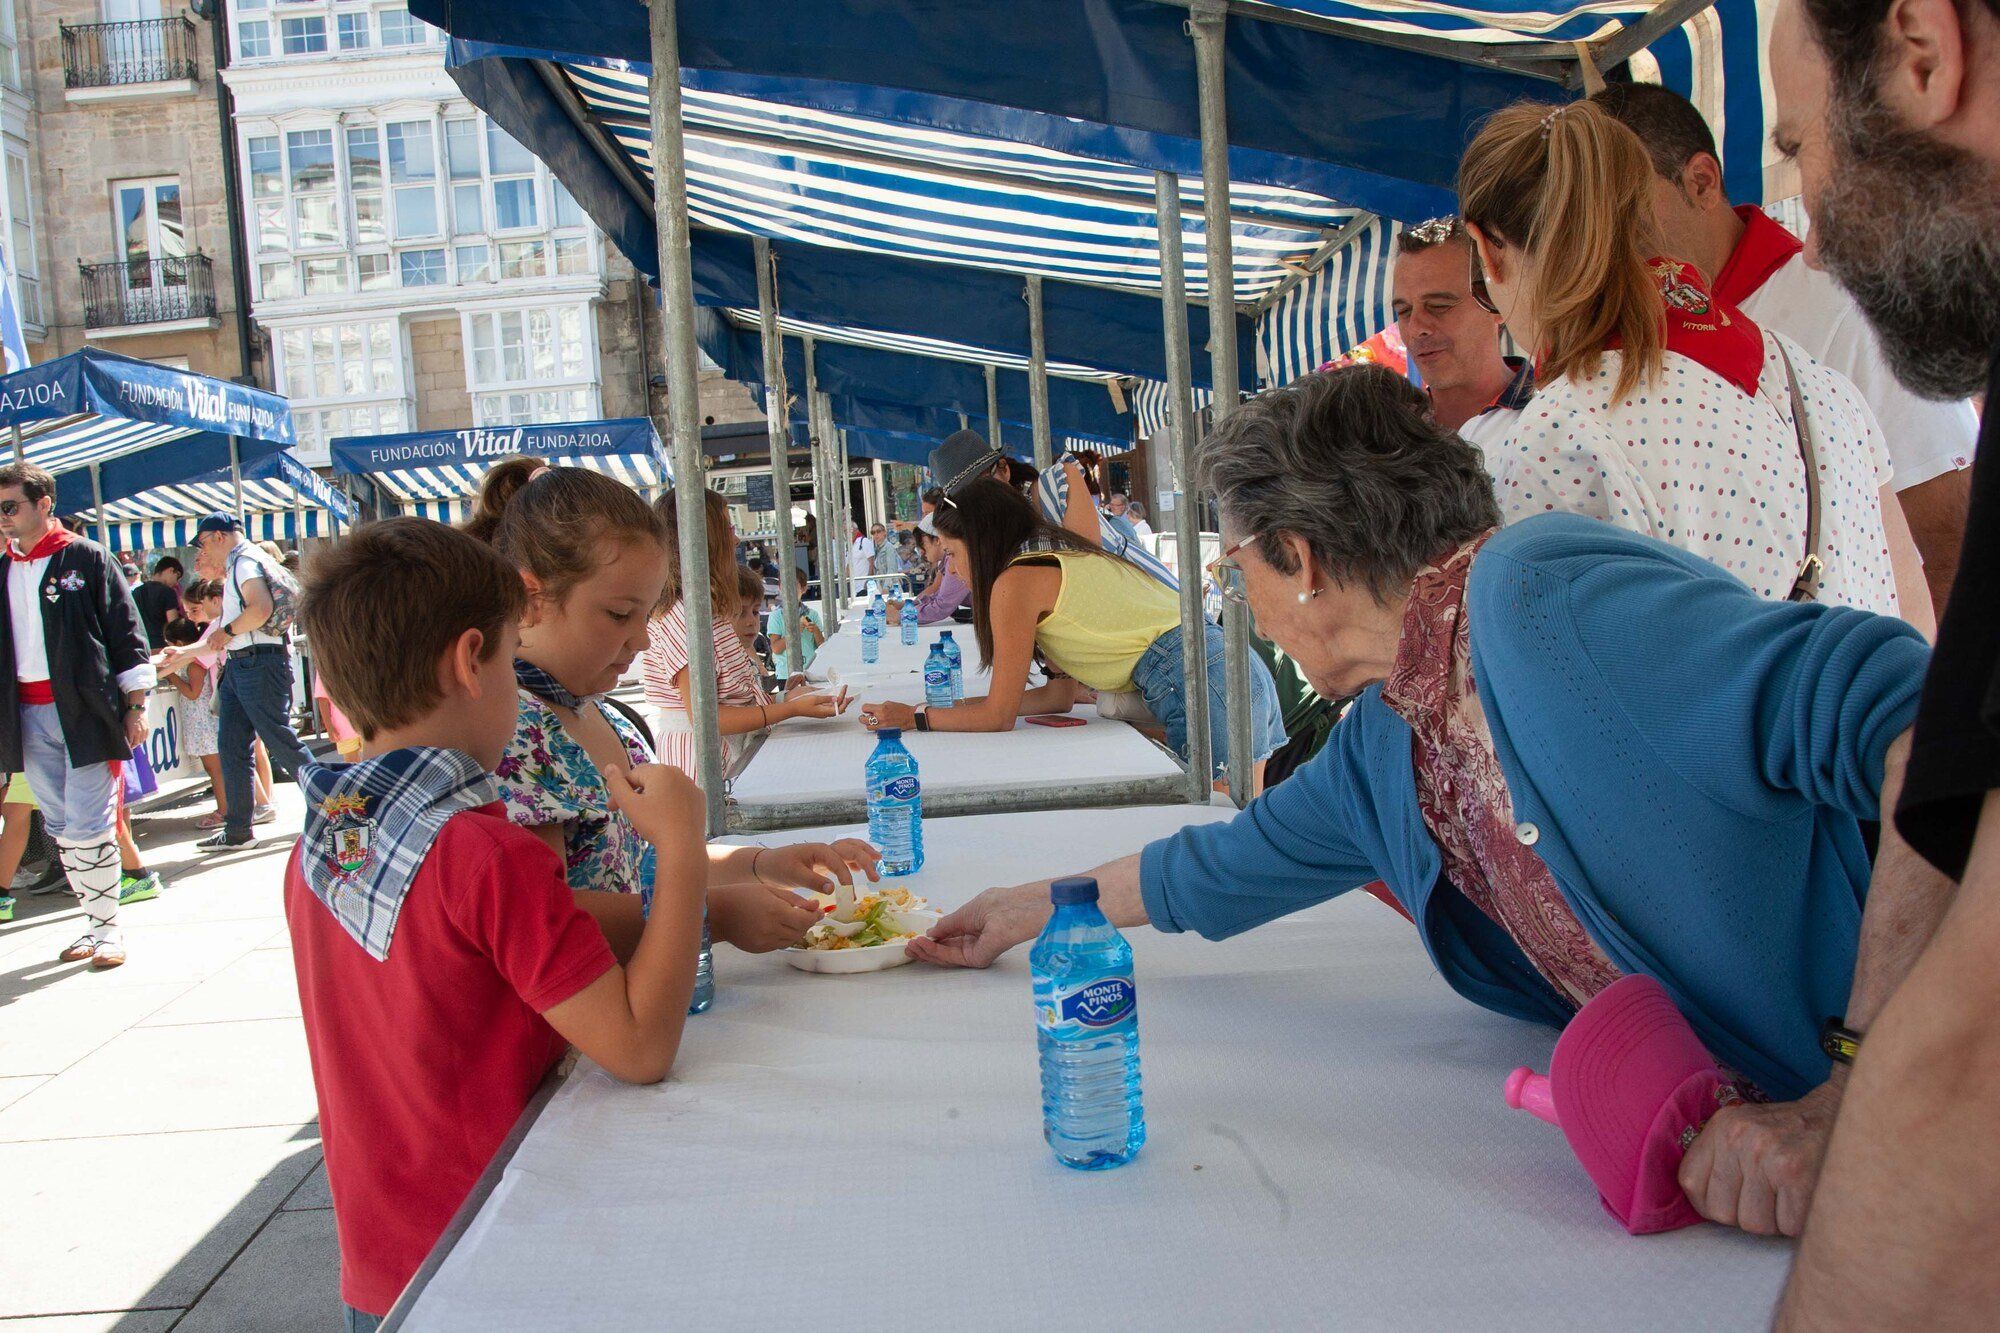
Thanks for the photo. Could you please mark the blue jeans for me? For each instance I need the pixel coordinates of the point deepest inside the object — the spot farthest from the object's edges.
(80, 804)
(358, 1322)
(254, 699)
(1159, 679)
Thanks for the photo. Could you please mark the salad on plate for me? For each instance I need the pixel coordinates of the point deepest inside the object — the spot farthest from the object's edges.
(888, 915)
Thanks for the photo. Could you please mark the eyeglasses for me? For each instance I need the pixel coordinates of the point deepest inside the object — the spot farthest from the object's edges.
(1479, 291)
(8, 507)
(1227, 575)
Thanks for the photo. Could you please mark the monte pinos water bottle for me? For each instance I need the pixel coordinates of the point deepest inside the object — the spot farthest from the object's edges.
(704, 968)
(957, 660)
(895, 804)
(909, 625)
(1087, 1025)
(871, 637)
(937, 679)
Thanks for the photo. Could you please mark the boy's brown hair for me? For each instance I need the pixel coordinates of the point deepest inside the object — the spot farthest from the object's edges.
(387, 601)
(749, 587)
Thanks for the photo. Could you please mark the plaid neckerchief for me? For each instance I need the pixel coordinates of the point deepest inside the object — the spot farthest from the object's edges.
(369, 826)
(544, 686)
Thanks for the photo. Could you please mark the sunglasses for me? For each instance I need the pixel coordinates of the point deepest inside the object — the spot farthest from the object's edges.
(1227, 575)
(8, 508)
(1479, 292)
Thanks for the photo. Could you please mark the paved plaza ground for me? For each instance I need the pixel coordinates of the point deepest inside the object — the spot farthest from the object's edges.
(159, 1148)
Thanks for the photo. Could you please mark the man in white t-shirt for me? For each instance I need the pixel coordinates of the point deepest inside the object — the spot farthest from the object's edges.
(1757, 266)
(860, 556)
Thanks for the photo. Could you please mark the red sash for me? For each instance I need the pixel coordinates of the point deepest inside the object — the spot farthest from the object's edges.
(1764, 248)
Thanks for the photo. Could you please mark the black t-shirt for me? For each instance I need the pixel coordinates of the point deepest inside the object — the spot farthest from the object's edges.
(154, 601)
(1955, 758)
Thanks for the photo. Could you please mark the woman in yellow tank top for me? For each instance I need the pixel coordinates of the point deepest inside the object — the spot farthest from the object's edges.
(1099, 621)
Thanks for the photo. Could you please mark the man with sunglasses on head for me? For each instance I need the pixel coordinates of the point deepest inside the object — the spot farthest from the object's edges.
(74, 676)
(1452, 339)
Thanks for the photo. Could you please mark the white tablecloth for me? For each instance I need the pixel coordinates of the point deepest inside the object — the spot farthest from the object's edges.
(1327, 1147)
(815, 760)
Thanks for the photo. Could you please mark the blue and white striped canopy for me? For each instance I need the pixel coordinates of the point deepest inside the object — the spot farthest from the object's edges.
(769, 169)
(436, 474)
(134, 424)
(1341, 304)
(1152, 404)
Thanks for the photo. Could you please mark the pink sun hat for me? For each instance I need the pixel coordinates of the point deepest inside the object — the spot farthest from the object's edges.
(1630, 1085)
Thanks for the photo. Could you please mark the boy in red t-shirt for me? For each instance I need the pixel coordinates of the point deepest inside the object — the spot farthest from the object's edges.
(443, 961)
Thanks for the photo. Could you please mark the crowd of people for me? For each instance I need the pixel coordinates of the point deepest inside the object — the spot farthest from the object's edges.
(1630, 611)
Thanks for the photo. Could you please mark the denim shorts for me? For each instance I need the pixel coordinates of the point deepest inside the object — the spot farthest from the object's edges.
(1158, 678)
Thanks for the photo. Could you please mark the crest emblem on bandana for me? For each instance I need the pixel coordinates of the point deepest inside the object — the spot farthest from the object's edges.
(349, 840)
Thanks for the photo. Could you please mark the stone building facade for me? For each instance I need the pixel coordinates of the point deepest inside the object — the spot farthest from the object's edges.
(127, 241)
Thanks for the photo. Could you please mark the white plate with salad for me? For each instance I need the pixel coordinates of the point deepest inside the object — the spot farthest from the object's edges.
(864, 933)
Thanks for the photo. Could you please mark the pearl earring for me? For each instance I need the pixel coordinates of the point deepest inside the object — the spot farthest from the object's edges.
(1308, 595)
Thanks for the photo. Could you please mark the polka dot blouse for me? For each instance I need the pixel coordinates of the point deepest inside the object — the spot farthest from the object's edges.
(1693, 460)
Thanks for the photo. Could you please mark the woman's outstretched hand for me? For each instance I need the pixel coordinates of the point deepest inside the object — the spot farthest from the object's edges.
(985, 928)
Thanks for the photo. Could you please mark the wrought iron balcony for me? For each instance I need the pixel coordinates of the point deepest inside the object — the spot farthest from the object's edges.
(147, 291)
(117, 55)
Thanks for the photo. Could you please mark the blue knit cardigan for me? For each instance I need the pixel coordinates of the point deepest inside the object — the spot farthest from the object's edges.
(1690, 760)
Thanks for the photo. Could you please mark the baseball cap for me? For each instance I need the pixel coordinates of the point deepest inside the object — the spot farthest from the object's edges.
(963, 458)
(927, 525)
(1629, 1078)
(218, 523)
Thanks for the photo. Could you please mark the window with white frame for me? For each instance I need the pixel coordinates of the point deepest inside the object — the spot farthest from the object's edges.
(10, 46)
(537, 364)
(343, 378)
(280, 29)
(406, 203)
(21, 240)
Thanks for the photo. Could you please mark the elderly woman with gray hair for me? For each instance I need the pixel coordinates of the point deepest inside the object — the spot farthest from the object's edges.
(1578, 753)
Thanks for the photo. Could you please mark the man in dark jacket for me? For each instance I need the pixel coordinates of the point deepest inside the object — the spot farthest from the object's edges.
(74, 676)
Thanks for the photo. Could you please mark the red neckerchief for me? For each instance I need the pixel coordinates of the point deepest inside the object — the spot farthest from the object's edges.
(1765, 247)
(1704, 329)
(52, 541)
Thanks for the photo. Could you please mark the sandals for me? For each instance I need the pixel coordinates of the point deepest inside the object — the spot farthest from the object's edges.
(84, 948)
(213, 819)
(107, 956)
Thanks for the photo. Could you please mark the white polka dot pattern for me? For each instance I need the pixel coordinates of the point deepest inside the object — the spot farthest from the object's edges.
(1693, 460)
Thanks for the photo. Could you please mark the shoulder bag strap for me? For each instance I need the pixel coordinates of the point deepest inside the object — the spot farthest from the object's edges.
(1805, 588)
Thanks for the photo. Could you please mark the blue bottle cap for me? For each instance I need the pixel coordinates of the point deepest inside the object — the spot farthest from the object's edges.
(888, 733)
(1068, 892)
(945, 634)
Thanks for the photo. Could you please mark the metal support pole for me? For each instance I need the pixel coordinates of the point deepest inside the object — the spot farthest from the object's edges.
(20, 453)
(683, 401)
(97, 494)
(236, 475)
(1038, 377)
(829, 592)
(1210, 17)
(778, 414)
(1180, 418)
(992, 407)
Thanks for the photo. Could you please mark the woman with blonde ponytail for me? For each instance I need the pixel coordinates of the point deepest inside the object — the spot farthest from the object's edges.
(1657, 407)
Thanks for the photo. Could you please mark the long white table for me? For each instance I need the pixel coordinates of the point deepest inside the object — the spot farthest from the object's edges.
(810, 771)
(1327, 1147)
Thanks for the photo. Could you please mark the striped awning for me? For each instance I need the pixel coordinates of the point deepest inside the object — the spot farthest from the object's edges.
(445, 492)
(1340, 305)
(770, 169)
(904, 342)
(1152, 404)
(170, 534)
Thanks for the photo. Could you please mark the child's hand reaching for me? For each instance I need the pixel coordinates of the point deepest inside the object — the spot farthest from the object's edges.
(817, 865)
(758, 919)
(662, 802)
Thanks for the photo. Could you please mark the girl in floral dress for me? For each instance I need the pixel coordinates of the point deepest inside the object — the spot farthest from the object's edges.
(594, 559)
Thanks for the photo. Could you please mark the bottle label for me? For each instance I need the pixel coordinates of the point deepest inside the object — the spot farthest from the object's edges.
(1104, 1002)
(900, 789)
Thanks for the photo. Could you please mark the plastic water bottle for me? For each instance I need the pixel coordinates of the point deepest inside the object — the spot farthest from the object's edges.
(957, 660)
(909, 625)
(871, 637)
(704, 968)
(937, 678)
(895, 804)
(1087, 1024)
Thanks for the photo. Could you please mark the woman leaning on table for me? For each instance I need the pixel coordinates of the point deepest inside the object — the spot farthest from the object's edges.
(1100, 621)
(1578, 753)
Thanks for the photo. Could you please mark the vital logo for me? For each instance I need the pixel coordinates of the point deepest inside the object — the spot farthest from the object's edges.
(491, 443)
(901, 789)
(1101, 1004)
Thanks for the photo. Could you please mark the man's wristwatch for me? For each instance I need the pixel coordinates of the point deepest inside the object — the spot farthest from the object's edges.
(1840, 1042)
(923, 712)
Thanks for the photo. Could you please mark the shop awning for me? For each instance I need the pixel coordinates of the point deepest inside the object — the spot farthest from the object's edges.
(280, 495)
(435, 474)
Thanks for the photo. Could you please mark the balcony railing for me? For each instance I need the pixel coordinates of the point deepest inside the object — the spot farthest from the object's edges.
(147, 291)
(113, 55)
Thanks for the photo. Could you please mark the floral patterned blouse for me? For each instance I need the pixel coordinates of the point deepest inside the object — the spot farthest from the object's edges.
(547, 778)
(1463, 793)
